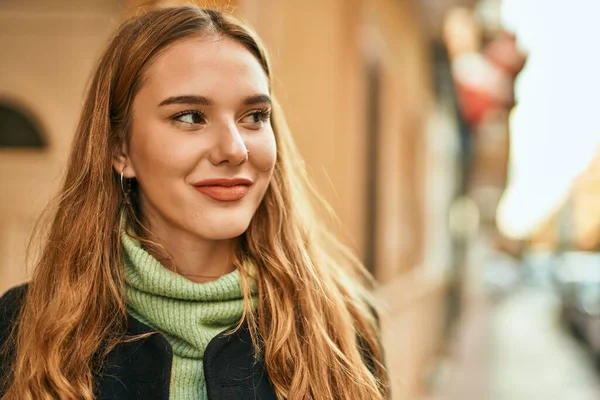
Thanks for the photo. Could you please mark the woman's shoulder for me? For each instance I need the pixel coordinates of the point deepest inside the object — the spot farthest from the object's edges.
(10, 307)
(11, 303)
(12, 300)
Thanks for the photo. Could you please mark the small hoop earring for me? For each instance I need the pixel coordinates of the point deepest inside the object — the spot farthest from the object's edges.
(124, 189)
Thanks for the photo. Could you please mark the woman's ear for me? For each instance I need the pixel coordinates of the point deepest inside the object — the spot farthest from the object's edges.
(122, 162)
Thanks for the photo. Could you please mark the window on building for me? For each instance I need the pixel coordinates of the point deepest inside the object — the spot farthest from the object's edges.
(19, 130)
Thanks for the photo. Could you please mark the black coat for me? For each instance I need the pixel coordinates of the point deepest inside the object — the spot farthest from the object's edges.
(142, 369)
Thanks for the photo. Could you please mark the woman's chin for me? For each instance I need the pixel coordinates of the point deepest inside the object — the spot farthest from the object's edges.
(223, 230)
(224, 235)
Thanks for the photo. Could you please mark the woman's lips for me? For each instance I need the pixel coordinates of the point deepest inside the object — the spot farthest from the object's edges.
(224, 189)
(223, 193)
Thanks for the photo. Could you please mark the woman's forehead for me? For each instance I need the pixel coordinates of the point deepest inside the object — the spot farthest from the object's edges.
(210, 66)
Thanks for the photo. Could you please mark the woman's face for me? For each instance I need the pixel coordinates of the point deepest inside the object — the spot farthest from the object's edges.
(201, 144)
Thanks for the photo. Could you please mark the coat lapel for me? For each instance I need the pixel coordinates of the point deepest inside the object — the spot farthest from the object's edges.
(142, 369)
(231, 370)
(137, 370)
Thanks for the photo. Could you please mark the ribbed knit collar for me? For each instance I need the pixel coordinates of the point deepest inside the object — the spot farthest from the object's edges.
(189, 314)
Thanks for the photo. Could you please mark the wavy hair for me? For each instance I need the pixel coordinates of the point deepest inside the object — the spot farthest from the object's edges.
(313, 324)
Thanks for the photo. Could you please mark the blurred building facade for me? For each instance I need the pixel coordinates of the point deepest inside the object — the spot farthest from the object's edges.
(354, 79)
(48, 50)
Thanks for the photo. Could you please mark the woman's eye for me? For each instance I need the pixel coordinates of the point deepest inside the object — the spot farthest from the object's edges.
(190, 117)
(258, 117)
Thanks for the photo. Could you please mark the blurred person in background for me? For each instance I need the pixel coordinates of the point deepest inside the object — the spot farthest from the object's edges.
(184, 258)
(485, 62)
(484, 70)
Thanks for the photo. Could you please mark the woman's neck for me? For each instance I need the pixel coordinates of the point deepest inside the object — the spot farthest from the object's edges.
(196, 259)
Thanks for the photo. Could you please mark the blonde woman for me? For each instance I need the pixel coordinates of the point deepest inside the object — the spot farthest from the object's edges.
(184, 260)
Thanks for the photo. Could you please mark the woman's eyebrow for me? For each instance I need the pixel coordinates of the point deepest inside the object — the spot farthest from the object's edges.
(259, 98)
(187, 99)
(207, 101)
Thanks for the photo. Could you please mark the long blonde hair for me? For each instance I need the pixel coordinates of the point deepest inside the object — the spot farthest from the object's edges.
(313, 324)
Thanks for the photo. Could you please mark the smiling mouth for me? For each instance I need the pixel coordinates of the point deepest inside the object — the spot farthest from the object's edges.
(223, 193)
(225, 190)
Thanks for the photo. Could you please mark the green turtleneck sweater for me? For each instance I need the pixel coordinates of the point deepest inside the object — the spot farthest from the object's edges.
(188, 314)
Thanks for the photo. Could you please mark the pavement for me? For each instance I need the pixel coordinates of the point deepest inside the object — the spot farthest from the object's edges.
(516, 349)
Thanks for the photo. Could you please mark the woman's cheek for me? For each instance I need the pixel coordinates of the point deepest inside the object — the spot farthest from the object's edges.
(263, 153)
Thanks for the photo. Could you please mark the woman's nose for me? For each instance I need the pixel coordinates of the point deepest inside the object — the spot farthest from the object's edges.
(229, 146)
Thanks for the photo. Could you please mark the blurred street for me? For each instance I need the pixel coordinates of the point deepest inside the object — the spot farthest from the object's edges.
(516, 348)
(533, 356)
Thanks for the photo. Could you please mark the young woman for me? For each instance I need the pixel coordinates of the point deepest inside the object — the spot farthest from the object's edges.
(184, 260)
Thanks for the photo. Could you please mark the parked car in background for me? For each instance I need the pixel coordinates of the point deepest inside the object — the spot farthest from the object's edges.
(577, 279)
